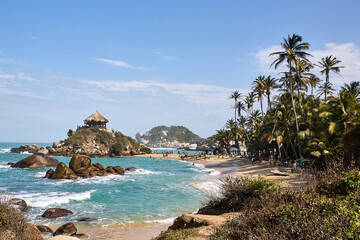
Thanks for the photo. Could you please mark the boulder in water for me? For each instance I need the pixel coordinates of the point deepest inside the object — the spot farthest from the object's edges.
(66, 229)
(62, 172)
(130, 169)
(56, 212)
(36, 161)
(80, 163)
(43, 152)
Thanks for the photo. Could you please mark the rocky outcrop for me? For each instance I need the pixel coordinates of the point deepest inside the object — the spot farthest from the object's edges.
(56, 212)
(31, 232)
(80, 166)
(62, 172)
(36, 161)
(173, 137)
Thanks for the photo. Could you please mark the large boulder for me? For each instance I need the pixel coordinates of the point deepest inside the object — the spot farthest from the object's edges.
(66, 229)
(62, 172)
(18, 204)
(62, 237)
(80, 164)
(31, 232)
(43, 152)
(36, 161)
(56, 212)
(43, 228)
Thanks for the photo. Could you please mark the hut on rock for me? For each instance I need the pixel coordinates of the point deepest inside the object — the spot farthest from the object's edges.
(96, 120)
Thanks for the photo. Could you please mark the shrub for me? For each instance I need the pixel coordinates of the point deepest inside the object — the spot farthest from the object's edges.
(117, 148)
(12, 222)
(146, 150)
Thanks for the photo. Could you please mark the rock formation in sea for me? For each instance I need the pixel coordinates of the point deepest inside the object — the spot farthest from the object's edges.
(80, 166)
(93, 139)
(170, 137)
(36, 160)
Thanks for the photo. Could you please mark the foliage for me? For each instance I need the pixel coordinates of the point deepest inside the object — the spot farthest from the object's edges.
(298, 124)
(177, 235)
(328, 210)
(12, 222)
(117, 149)
(146, 150)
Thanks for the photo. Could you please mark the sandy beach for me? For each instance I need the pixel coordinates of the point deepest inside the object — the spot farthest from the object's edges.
(226, 166)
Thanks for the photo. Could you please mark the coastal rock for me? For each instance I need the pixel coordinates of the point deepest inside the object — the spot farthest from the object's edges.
(49, 173)
(43, 228)
(188, 221)
(36, 161)
(56, 145)
(32, 232)
(130, 169)
(43, 152)
(80, 164)
(62, 172)
(18, 204)
(56, 212)
(99, 166)
(66, 229)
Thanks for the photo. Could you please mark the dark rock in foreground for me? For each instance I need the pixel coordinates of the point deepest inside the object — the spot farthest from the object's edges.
(36, 161)
(56, 212)
(18, 204)
(66, 229)
(63, 172)
(43, 228)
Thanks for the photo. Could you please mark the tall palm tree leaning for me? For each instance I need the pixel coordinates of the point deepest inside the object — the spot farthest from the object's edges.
(235, 95)
(293, 52)
(328, 64)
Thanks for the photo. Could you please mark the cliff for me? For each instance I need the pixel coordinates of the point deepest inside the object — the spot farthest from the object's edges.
(173, 136)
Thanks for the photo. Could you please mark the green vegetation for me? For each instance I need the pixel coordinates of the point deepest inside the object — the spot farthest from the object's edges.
(146, 150)
(115, 143)
(177, 235)
(12, 222)
(297, 124)
(173, 133)
(328, 209)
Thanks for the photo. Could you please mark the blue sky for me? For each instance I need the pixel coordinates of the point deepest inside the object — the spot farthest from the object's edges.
(148, 63)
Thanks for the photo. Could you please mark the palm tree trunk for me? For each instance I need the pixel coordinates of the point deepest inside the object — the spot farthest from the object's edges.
(269, 102)
(293, 105)
(326, 83)
(262, 112)
(235, 111)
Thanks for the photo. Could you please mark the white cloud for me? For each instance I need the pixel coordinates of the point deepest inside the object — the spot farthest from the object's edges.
(348, 53)
(24, 76)
(166, 57)
(118, 63)
(194, 93)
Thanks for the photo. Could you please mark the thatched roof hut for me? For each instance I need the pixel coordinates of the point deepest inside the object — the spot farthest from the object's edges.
(96, 119)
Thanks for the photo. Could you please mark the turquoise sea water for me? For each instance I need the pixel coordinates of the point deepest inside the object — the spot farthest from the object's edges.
(158, 191)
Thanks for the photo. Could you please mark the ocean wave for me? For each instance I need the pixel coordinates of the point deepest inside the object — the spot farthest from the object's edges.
(141, 171)
(210, 187)
(5, 150)
(53, 198)
(168, 220)
(25, 152)
(202, 168)
(109, 179)
(4, 166)
(40, 174)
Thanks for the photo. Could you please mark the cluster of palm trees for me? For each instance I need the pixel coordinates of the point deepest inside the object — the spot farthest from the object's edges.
(297, 123)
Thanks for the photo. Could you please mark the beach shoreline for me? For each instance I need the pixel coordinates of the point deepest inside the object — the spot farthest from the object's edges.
(223, 166)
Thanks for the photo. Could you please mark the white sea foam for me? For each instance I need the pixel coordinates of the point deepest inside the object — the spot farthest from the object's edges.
(40, 174)
(25, 152)
(5, 150)
(53, 198)
(4, 166)
(202, 168)
(141, 171)
(210, 187)
(168, 220)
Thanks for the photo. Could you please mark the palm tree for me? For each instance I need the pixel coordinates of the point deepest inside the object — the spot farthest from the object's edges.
(258, 86)
(269, 84)
(240, 106)
(326, 89)
(352, 88)
(293, 52)
(329, 64)
(249, 100)
(235, 95)
(313, 81)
